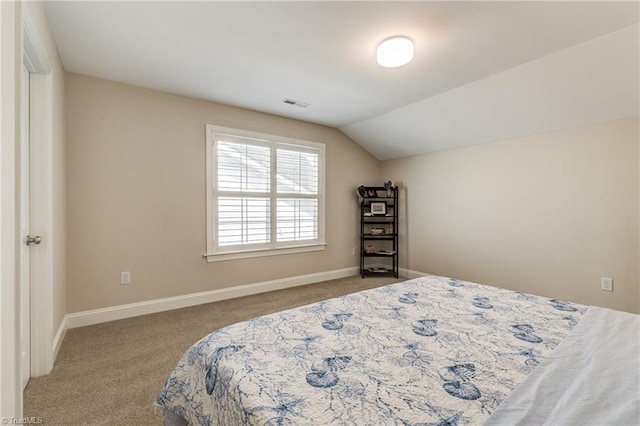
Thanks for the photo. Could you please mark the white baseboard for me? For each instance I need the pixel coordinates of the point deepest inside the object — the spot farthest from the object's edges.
(96, 316)
(409, 273)
(57, 340)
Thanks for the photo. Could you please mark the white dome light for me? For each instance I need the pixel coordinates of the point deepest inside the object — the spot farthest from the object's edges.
(395, 52)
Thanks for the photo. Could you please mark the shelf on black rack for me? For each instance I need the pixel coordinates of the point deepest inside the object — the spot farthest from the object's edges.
(381, 241)
(387, 273)
(379, 254)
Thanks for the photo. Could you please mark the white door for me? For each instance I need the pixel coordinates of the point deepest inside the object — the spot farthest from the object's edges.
(25, 258)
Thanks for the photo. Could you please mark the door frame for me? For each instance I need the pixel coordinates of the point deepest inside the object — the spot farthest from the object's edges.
(10, 396)
(24, 250)
(41, 196)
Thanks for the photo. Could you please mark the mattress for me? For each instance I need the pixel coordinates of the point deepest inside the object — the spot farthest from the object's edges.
(431, 350)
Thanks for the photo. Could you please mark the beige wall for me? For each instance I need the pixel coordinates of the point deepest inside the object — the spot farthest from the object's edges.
(136, 195)
(548, 214)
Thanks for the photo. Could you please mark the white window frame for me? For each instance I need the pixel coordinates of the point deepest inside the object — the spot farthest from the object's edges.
(215, 253)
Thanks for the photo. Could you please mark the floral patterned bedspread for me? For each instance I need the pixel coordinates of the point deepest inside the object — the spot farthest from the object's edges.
(428, 351)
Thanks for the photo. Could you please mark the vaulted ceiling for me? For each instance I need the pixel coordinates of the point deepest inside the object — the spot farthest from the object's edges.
(482, 71)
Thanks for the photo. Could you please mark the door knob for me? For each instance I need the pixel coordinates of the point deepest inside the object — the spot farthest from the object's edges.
(33, 240)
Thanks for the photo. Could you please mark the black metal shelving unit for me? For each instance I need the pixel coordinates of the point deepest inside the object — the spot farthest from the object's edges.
(379, 232)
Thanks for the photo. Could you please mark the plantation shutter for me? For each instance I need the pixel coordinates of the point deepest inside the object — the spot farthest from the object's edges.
(297, 204)
(267, 194)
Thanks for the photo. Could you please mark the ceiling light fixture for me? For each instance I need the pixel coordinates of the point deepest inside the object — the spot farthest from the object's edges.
(395, 52)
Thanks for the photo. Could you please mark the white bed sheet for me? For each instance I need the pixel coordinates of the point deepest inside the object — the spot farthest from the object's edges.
(591, 378)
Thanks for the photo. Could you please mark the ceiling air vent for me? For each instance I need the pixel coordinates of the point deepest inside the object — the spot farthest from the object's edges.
(295, 103)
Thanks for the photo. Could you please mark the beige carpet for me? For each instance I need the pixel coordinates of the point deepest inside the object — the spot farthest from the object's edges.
(111, 373)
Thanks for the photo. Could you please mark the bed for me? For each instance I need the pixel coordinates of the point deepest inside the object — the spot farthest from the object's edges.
(428, 351)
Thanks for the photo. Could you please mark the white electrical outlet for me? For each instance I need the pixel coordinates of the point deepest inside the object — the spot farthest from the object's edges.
(125, 277)
(353, 251)
(606, 284)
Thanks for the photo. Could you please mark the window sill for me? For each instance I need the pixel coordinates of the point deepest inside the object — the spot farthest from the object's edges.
(220, 257)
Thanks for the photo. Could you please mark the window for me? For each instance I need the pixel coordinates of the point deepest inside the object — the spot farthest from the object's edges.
(265, 194)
